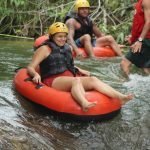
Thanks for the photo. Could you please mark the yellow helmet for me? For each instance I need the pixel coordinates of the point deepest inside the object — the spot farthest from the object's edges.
(81, 3)
(57, 27)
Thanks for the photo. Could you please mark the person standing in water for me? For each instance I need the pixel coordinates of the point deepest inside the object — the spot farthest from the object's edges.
(139, 55)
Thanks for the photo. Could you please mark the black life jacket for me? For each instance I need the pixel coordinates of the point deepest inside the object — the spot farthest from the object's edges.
(86, 28)
(58, 61)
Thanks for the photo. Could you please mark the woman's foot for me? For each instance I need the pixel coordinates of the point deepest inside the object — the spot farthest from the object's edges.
(125, 98)
(88, 105)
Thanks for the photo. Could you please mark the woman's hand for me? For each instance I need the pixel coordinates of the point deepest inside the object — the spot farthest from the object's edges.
(37, 78)
(84, 72)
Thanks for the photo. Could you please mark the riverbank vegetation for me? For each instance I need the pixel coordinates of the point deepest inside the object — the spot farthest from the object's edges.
(32, 18)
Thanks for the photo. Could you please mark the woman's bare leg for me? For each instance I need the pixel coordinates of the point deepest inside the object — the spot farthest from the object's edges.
(74, 85)
(90, 83)
(77, 93)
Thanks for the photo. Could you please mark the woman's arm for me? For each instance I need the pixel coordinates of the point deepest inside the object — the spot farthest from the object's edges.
(38, 57)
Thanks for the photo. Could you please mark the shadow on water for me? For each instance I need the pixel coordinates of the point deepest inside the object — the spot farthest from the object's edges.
(26, 126)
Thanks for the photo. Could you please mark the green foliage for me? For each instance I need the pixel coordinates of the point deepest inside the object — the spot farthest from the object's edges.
(18, 3)
(116, 18)
(31, 18)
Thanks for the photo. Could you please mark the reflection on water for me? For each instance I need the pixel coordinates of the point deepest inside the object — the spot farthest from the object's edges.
(25, 126)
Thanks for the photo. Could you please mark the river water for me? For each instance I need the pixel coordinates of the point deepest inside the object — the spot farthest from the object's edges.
(25, 126)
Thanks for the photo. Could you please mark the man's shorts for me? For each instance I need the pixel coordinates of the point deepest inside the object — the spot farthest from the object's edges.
(79, 44)
(142, 59)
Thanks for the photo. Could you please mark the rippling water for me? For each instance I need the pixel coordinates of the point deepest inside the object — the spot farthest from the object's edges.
(25, 126)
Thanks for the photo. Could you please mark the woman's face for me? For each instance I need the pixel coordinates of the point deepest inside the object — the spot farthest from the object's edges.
(60, 38)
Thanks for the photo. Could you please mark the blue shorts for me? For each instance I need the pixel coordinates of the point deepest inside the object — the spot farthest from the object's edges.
(79, 44)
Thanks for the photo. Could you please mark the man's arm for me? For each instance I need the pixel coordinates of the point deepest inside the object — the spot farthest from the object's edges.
(96, 31)
(71, 27)
(136, 47)
(146, 9)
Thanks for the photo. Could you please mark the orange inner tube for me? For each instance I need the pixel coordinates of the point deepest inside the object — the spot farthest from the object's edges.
(98, 51)
(61, 101)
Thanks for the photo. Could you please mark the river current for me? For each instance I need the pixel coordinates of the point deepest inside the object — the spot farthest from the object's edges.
(26, 126)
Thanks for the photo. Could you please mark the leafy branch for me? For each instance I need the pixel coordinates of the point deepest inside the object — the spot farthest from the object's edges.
(32, 18)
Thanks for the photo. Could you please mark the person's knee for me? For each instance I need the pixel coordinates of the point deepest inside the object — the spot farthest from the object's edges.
(87, 38)
(76, 81)
(110, 39)
(146, 70)
(93, 79)
(125, 63)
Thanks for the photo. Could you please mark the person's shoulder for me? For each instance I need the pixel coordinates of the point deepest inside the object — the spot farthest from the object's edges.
(93, 23)
(146, 3)
(70, 21)
(89, 18)
(44, 49)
